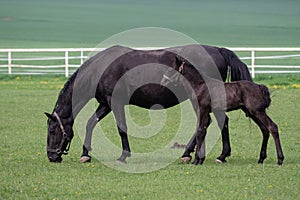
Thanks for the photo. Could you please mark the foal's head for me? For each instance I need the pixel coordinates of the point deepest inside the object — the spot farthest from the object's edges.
(174, 73)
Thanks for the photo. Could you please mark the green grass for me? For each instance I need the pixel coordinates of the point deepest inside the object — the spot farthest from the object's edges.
(24, 168)
(26, 172)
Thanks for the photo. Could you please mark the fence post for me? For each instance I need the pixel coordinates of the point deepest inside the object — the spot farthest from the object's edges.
(81, 57)
(252, 63)
(66, 63)
(9, 62)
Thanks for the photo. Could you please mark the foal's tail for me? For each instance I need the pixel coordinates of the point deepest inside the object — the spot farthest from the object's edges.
(266, 95)
(239, 70)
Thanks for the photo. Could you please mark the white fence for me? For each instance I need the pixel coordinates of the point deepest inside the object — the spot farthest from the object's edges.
(67, 60)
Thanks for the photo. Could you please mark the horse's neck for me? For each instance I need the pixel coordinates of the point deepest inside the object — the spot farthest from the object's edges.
(67, 107)
(63, 106)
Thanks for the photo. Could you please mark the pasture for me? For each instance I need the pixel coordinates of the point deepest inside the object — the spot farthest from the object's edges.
(25, 170)
(27, 173)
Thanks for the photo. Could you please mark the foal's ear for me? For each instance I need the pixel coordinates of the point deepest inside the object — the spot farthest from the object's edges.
(177, 62)
(49, 116)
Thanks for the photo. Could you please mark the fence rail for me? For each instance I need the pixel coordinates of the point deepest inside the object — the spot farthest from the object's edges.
(67, 60)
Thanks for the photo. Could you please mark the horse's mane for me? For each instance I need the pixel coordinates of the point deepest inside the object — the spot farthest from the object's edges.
(66, 92)
(65, 95)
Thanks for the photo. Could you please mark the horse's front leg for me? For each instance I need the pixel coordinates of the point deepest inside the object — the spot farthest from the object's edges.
(119, 114)
(190, 147)
(99, 114)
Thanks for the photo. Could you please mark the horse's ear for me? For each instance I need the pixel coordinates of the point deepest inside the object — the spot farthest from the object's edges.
(49, 116)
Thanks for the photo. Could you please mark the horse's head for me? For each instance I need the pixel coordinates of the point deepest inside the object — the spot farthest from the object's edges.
(60, 134)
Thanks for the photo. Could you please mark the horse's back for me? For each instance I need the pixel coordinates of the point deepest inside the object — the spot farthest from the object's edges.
(136, 76)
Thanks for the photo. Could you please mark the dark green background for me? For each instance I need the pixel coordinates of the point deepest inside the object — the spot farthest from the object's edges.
(85, 23)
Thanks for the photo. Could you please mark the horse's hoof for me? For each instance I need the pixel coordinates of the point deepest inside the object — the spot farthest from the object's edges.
(186, 159)
(85, 159)
(218, 161)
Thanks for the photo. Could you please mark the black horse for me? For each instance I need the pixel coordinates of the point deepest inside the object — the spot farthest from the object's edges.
(119, 76)
(252, 98)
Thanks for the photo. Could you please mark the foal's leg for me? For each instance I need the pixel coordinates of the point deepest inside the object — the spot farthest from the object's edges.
(190, 147)
(119, 114)
(222, 120)
(226, 151)
(263, 118)
(99, 114)
(200, 138)
(266, 134)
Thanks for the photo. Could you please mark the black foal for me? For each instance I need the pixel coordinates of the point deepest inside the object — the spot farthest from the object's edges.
(252, 98)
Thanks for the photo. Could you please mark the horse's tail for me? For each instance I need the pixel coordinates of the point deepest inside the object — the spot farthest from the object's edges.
(266, 95)
(239, 70)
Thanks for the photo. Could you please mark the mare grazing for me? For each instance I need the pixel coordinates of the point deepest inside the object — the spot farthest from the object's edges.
(252, 98)
(135, 77)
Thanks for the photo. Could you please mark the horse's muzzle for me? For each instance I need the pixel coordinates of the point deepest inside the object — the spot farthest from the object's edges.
(54, 157)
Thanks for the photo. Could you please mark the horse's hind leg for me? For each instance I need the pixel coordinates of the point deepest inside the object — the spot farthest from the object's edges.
(264, 119)
(190, 147)
(119, 114)
(99, 114)
(222, 120)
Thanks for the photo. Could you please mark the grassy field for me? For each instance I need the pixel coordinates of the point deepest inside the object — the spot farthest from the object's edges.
(76, 23)
(26, 172)
(24, 168)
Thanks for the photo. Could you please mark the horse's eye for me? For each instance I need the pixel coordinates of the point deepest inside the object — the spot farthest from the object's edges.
(52, 130)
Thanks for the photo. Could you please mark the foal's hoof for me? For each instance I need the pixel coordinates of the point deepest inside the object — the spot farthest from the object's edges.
(260, 161)
(85, 159)
(186, 159)
(198, 161)
(280, 162)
